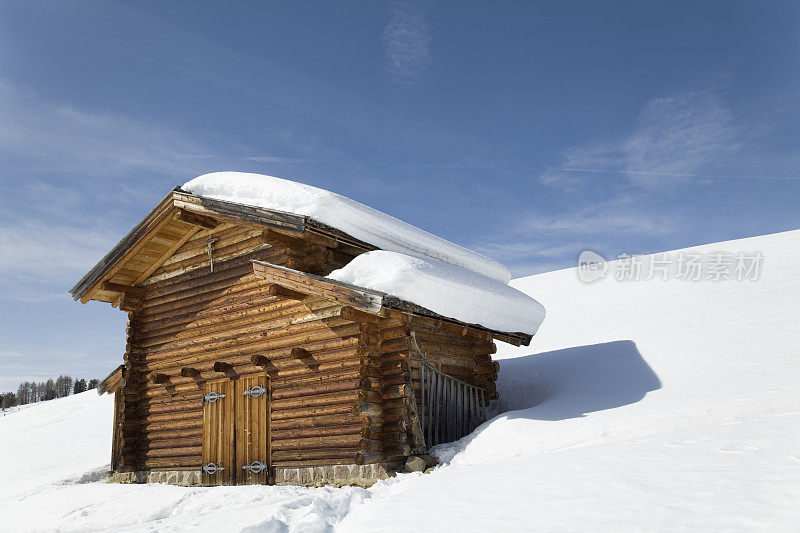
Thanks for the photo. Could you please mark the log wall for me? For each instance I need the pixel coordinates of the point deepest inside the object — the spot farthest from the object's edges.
(344, 383)
(187, 318)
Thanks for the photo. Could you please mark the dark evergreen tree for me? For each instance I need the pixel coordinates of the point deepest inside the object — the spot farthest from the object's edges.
(80, 386)
(93, 383)
(9, 400)
(49, 390)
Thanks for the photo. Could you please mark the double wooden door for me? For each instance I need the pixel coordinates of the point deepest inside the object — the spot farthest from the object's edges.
(236, 431)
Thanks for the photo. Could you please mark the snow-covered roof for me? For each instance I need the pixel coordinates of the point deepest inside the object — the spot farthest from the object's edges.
(356, 219)
(445, 289)
(412, 264)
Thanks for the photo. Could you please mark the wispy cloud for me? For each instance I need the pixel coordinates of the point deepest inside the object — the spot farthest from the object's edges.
(45, 253)
(539, 241)
(675, 138)
(407, 42)
(51, 136)
(278, 159)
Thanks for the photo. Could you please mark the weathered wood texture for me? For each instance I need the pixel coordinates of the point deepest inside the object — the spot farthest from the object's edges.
(195, 326)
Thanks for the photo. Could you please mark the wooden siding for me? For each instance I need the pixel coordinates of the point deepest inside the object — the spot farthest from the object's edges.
(188, 318)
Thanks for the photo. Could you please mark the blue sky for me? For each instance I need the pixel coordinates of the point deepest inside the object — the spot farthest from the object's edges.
(526, 130)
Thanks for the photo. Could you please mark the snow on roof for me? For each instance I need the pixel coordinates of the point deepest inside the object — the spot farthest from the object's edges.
(445, 289)
(349, 216)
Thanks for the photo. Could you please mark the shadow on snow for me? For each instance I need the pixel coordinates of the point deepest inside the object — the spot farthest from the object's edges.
(571, 382)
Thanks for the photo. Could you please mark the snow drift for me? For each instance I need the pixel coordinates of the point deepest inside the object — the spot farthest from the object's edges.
(354, 218)
(643, 405)
(446, 289)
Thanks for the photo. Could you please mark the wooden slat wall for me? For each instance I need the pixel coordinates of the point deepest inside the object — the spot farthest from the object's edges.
(467, 357)
(191, 318)
(217, 440)
(252, 430)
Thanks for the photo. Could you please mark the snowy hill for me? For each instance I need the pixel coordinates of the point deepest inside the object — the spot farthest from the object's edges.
(641, 405)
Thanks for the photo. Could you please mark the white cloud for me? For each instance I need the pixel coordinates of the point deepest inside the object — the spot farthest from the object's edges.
(674, 138)
(46, 253)
(407, 42)
(538, 241)
(50, 137)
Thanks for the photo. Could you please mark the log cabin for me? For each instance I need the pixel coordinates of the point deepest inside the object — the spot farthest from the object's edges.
(245, 363)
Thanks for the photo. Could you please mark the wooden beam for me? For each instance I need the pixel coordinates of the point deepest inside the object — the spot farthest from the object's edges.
(285, 292)
(274, 237)
(189, 372)
(310, 284)
(300, 353)
(118, 287)
(258, 360)
(220, 366)
(166, 255)
(221, 209)
(157, 377)
(127, 248)
(356, 315)
(196, 219)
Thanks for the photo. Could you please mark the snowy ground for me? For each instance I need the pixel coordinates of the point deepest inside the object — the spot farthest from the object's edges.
(642, 405)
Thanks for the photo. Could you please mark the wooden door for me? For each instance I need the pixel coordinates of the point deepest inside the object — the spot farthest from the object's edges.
(219, 401)
(252, 430)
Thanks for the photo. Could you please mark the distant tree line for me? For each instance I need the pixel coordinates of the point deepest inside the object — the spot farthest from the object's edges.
(32, 392)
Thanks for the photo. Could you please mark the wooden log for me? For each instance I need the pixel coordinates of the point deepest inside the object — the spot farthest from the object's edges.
(172, 452)
(323, 410)
(195, 219)
(317, 462)
(146, 444)
(315, 423)
(356, 315)
(315, 443)
(331, 350)
(370, 445)
(259, 360)
(323, 388)
(189, 372)
(278, 457)
(344, 397)
(221, 366)
(214, 338)
(255, 318)
(364, 457)
(300, 353)
(367, 409)
(285, 292)
(189, 461)
(121, 288)
(269, 236)
(322, 431)
(310, 333)
(157, 377)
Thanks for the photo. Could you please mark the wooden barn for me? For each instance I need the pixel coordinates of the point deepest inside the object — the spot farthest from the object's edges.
(245, 364)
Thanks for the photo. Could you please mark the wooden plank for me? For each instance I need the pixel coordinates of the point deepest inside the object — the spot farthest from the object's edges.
(310, 284)
(241, 212)
(166, 255)
(218, 435)
(148, 226)
(112, 382)
(251, 430)
(195, 219)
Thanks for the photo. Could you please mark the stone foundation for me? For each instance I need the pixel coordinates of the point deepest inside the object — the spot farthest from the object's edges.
(184, 478)
(333, 475)
(309, 476)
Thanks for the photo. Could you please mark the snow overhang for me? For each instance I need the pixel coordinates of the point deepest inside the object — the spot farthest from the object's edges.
(368, 300)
